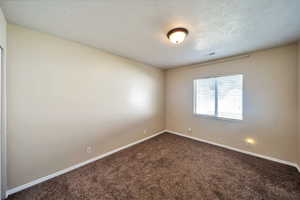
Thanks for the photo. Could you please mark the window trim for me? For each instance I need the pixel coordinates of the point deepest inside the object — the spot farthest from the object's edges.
(216, 99)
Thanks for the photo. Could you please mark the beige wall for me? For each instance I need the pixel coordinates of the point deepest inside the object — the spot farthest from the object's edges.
(299, 104)
(64, 96)
(2, 102)
(270, 102)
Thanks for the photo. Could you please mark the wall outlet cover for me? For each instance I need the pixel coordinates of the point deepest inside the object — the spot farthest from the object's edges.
(89, 149)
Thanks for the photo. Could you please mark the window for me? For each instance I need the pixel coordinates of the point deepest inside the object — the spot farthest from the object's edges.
(220, 97)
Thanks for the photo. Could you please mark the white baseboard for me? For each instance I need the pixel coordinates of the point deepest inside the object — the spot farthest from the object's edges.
(298, 167)
(58, 173)
(238, 150)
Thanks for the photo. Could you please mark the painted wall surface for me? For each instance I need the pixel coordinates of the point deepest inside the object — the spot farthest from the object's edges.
(64, 97)
(2, 102)
(298, 104)
(270, 103)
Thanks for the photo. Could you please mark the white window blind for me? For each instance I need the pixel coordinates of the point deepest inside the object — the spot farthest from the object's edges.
(205, 95)
(220, 97)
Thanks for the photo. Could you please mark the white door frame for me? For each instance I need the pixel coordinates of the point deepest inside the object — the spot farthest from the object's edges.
(3, 124)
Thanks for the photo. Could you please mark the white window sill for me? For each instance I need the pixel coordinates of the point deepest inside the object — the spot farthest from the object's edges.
(217, 118)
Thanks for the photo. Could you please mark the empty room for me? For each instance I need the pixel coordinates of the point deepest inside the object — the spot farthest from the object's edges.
(150, 100)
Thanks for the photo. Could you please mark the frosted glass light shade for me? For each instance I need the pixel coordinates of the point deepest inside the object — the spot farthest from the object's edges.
(177, 35)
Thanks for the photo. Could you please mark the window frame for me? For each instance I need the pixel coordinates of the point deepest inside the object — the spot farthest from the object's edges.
(216, 99)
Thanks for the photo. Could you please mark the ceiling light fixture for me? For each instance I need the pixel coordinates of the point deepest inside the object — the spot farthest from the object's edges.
(177, 35)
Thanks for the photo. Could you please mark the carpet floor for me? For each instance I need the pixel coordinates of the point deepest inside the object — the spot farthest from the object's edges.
(170, 167)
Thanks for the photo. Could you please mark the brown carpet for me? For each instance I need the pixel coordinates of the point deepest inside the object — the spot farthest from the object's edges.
(170, 167)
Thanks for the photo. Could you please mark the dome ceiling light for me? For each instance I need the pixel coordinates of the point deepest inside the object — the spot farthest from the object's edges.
(177, 35)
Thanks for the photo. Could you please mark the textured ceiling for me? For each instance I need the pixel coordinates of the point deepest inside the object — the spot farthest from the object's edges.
(137, 28)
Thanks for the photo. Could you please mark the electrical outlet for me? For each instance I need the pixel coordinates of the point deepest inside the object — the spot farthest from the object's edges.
(89, 149)
(145, 131)
(189, 129)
